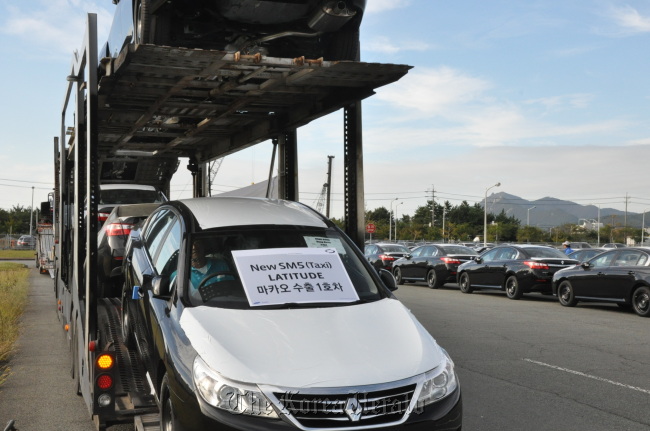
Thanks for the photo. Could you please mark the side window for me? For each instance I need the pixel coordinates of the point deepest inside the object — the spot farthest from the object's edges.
(155, 233)
(428, 251)
(417, 252)
(603, 260)
(166, 260)
(628, 258)
(491, 255)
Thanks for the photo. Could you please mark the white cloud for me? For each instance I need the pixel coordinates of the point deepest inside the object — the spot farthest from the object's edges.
(631, 20)
(385, 45)
(377, 6)
(433, 91)
(56, 26)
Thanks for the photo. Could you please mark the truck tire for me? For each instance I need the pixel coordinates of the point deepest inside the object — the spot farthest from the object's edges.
(127, 327)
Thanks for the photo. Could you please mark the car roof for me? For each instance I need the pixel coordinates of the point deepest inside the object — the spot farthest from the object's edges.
(212, 212)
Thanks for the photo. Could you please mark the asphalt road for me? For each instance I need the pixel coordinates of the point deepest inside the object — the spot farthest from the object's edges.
(534, 365)
(523, 365)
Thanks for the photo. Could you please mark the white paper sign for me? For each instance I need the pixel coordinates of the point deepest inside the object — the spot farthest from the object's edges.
(293, 275)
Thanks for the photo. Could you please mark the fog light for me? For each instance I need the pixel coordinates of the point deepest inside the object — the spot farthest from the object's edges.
(104, 400)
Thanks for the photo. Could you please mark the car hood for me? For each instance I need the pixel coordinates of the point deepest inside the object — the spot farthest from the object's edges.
(351, 345)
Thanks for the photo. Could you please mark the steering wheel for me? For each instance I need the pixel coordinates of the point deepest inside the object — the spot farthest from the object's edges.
(204, 282)
(207, 292)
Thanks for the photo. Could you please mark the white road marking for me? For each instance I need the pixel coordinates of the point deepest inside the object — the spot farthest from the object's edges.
(589, 376)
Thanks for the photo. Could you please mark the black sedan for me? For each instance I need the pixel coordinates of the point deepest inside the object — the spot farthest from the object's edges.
(434, 263)
(383, 255)
(517, 269)
(621, 276)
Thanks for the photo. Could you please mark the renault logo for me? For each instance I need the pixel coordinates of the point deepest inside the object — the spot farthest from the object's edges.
(353, 409)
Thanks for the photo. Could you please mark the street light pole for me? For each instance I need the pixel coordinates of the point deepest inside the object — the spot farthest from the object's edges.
(390, 221)
(528, 219)
(485, 214)
(396, 219)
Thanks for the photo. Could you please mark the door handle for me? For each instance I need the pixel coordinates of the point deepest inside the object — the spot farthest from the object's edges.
(631, 273)
(601, 273)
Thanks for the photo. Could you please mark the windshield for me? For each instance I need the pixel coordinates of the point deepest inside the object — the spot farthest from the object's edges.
(130, 196)
(277, 267)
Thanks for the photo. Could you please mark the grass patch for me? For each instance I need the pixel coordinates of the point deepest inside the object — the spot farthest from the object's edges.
(17, 254)
(13, 297)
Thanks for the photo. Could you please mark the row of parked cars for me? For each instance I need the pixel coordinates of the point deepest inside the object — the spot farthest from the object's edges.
(618, 275)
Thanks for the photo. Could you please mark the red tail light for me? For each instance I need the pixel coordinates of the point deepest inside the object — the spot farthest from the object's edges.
(450, 260)
(118, 229)
(386, 258)
(101, 217)
(535, 265)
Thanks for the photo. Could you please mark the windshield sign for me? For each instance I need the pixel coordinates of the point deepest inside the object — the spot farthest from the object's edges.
(293, 275)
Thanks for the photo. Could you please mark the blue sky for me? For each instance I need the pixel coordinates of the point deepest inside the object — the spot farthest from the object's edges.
(549, 98)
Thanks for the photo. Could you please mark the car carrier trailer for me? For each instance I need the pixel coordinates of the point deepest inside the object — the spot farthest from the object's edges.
(130, 119)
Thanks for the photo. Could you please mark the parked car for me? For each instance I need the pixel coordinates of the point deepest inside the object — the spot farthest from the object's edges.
(620, 275)
(26, 241)
(584, 254)
(112, 195)
(382, 255)
(614, 245)
(516, 269)
(267, 344)
(434, 263)
(111, 241)
(310, 28)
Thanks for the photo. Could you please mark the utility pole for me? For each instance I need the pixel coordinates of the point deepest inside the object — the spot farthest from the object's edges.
(433, 206)
(329, 185)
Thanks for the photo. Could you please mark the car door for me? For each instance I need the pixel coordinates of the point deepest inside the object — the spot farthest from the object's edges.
(479, 274)
(161, 245)
(588, 282)
(421, 263)
(408, 264)
(619, 279)
(497, 269)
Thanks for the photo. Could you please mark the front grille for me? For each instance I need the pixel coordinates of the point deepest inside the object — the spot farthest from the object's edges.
(338, 410)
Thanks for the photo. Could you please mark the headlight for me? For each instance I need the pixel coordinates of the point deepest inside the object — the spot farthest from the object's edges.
(234, 397)
(438, 383)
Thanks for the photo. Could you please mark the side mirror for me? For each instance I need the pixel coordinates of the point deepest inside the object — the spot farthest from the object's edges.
(478, 259)
(585, 265)
(388, 279)
(160, 287)
(408, 255)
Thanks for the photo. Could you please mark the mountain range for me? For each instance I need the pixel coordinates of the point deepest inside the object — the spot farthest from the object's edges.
(550, 212)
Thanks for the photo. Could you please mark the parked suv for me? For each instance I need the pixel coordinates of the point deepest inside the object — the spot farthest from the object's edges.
(259, 314)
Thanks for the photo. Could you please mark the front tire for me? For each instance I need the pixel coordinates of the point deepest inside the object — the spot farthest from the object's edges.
(168, 419)
(565, 294)
(513, 289)
(641, 301)
(432, 279)
(464, 284)
(127, 327)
